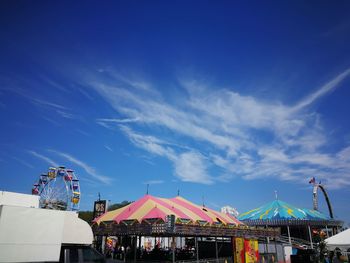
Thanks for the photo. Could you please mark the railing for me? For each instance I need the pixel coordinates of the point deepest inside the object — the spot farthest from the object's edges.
(296, 241)
(210, 260)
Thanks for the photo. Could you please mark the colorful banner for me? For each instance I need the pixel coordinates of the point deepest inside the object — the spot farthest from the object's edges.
(239, 250)
(251, 248)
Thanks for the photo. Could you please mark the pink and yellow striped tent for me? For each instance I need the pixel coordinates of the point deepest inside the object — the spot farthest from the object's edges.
(151, 208)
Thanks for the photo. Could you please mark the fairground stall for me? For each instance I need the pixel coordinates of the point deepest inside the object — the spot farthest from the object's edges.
(301, 228)
(175, 229)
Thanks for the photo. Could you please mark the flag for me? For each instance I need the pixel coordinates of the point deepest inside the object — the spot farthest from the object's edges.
(312, 181)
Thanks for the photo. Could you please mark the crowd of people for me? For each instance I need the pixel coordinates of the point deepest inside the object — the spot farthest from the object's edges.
(117, 251)
(337, 256)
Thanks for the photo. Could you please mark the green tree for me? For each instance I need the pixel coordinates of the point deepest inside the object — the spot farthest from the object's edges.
(86, 216)
(118, 205)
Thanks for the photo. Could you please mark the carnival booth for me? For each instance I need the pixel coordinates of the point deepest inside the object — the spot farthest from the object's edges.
(165, 228)
(300, 227)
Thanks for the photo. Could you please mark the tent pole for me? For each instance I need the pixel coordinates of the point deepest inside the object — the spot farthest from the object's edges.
(312, 245)
(289, 239)
(327, 232)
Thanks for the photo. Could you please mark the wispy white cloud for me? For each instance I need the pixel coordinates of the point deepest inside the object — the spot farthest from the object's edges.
(50, 82)
(52, 121)
(149, 143)
(26, 88)
(83, 132)
(66, 114)
(328, 87)
(23, 162)
(47, 103)
(111, 123)
(108, 148)
(35, 100)
(134, 82)
(89, 169)
(189, 166)
(243, 135)
(44, 158)
(118, 121)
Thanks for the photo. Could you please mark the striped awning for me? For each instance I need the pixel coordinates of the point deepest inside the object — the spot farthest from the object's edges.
(151, 208)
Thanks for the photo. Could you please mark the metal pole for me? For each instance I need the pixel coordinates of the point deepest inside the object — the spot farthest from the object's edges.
(312, 245)
(276, 250)
(284, 254)
(173, 244)
(135, 248)
(327, 232)
(233, 246)
(289, 239)
(124, 250)
(267, 245)
(216, 251)
(103, 244)
(140, 237)
(197, 252)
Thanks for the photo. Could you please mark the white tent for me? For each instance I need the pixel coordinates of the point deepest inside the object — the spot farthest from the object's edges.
(340, 240)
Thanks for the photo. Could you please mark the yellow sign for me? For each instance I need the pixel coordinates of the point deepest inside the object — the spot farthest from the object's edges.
(239, 250)
(251, 251)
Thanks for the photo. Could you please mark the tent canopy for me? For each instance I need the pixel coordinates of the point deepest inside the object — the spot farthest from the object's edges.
(152, 208)
(340, 240)
(278, 209)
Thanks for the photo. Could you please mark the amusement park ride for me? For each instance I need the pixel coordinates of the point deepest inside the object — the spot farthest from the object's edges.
(45, 226)
(316, 186)
(58, 189)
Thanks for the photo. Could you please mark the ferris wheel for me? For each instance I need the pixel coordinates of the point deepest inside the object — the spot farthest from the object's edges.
(59, 189)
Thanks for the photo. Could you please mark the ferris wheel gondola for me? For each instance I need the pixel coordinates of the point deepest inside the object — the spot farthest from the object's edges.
(59, 189)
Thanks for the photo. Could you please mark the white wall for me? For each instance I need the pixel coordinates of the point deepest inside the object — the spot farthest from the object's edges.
(30, 234)
(17, 199)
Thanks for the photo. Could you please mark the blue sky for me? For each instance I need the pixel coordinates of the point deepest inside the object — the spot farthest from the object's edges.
(224, 101)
